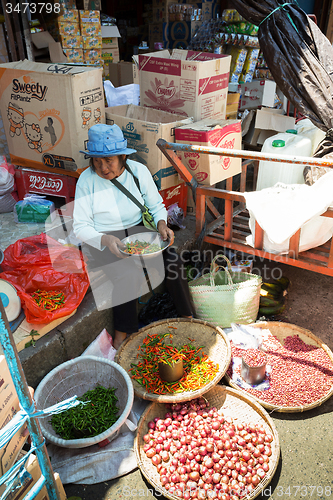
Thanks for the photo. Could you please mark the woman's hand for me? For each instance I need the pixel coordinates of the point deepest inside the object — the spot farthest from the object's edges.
(165, 232)
(113, 244)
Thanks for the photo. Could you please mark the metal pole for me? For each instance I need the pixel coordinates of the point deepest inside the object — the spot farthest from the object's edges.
(251, 155)
(22, 389)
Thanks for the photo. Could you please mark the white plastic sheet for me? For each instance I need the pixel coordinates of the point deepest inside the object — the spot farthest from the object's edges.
(96, 464)
(284, 208)
(127, 94)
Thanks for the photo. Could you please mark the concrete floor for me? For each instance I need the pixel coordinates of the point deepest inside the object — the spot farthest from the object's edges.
(306, 438)
(306, 462)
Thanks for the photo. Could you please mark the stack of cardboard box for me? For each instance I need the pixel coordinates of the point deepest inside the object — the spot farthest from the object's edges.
(79, 32)
(90, 26)
(68, 27)
(110, 47)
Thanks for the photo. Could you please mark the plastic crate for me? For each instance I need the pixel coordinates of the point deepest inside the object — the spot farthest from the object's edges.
(55, 187)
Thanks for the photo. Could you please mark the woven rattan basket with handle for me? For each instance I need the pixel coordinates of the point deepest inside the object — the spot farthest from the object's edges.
(281, 331)
(235, 404)
(223, 297)
(215, 342)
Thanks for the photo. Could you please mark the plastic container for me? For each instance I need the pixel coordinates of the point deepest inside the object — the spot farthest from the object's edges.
(283, 144)
(306, 128)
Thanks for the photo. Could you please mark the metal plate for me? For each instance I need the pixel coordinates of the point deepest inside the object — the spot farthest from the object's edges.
(151, 237)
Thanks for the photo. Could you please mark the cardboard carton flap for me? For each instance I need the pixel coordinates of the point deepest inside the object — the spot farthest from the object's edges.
(209, 124)
(56, 53)
(186, 55)
(268, 120)
(110, 32)
(147, 115)
(42, 39)
(49, 68)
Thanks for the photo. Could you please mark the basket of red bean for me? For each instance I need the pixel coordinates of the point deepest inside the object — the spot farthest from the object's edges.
(299, 371)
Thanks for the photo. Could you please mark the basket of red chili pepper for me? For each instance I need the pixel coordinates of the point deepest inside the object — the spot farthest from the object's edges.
(203, 348)
(299, 369)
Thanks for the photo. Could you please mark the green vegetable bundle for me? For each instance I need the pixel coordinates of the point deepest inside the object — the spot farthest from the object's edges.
(97, 413)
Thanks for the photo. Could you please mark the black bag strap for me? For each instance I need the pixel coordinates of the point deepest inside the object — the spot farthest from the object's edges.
(127, 192)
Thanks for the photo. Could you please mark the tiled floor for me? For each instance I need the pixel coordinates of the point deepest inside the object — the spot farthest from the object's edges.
(11, 231)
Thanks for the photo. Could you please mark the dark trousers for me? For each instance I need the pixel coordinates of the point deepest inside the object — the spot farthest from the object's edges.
(127, 280)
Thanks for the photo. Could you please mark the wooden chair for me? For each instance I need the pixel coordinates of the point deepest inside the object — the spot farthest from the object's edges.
(229, 230)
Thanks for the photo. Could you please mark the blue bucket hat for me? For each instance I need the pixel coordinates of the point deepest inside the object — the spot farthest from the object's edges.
(106, 140)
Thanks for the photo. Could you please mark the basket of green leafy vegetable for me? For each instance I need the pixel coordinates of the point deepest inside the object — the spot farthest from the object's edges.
(105, 392)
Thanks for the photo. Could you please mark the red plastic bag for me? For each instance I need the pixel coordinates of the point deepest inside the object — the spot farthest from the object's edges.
(40, 262)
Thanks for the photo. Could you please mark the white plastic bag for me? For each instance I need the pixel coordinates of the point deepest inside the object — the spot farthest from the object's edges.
(102, 347)
(6, 181)
(127, 94)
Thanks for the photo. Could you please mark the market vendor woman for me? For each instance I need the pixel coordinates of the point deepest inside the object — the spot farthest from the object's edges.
(104, 215)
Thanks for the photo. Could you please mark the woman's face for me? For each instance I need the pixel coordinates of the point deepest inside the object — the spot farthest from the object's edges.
(109, 167)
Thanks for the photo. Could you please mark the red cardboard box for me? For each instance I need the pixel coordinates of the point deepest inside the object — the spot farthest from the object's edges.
(210, 169)
(175, 194)
(44, 183)
(185, 82)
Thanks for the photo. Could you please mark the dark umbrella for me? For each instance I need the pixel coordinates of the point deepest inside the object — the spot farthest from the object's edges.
(300, 58)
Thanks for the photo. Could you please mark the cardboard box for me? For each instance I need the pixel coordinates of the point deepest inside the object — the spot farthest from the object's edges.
(158, 32)
(175, 194)
(71, 42)
(92, 55)
(29, 480)
(267, 122)
(161, 14)
(232, 105)
(68, 15)
(210, 169)
(183, 30)
(187, 83)
(110, 43)
(8, 396)
(257, 93)
(48, 110)
(74, 55)
(69, 28)
(92, 42)
(110, 56)
(90, 16)
(123, 73)
(5, 376)
(10, 451)
(142, 127)
(91, 29)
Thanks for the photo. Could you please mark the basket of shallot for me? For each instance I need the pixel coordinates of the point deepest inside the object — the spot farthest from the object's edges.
(221, 445)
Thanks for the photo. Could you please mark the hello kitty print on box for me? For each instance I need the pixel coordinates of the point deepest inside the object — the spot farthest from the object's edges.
(47, 110)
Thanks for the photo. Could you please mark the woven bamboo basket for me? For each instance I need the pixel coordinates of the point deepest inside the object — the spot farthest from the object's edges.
(281, 331)
(215, 342)
(235, 404)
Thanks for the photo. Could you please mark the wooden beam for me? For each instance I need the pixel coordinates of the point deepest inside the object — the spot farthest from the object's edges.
(294, 245)
(9, 29)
